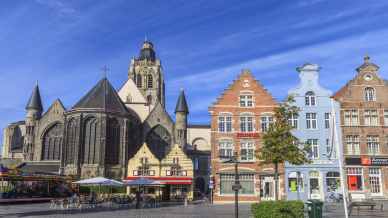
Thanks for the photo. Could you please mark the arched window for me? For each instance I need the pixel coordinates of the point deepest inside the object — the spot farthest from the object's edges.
(370, 94)
(112, 142)
(52, 143)
(150, 82)
(128, 99)
(139, 81)
(91, 142)
(149, 99)
(16, 139)
(310, 98)
(71, 140)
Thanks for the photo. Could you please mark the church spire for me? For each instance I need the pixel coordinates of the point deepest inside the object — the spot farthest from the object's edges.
(181, 105)
(35, 101)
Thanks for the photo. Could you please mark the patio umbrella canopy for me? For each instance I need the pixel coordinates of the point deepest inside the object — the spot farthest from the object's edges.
(99, 181)
(142, 182)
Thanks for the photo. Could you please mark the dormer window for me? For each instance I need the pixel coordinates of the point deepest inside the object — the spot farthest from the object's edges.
(370, 94)
(310, 98)
(246, 101)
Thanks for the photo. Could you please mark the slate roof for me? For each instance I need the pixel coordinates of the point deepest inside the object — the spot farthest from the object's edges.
(104, 97)
(41, 168)
(35, 102)
(181, 105)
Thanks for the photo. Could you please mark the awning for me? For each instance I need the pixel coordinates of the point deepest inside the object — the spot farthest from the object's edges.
(165, 180)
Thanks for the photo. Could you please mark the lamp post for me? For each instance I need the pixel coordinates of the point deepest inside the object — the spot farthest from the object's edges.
(236, 186)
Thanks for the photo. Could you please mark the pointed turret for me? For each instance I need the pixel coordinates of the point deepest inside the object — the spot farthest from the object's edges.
(181, 105)
(181, 111)
(35, 101)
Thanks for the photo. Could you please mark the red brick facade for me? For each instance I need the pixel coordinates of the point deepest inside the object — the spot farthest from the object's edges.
(226, 120)
(364, 124)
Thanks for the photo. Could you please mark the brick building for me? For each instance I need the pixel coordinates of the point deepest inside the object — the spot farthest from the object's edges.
(238, 119)
(364, 120)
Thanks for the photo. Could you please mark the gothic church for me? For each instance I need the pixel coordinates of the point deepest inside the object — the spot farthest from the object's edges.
(104, 129)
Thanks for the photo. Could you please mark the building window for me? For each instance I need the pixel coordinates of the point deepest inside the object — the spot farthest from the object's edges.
(149, 99)
(295, 181)
(247, 151)
(246, 124)
(150, 83)
(139, 82)
(351, 117)
(246, 182)
(112, 151)
(266, 121)
(370, 94)
(375, 180)
(293, 120)
(225, 149)
(52, 142)
(72, 132)
(246, 101)
(373, 145)
(353, 144)
(354, 175)
(327, 120)
(91, 142)
(311, 120)
(333, 182)
(310, 99)
(225, 124)
(371, 118)
(314, 153)
(385, 117)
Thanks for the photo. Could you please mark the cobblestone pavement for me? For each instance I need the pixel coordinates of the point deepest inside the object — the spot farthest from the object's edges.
(191, 211)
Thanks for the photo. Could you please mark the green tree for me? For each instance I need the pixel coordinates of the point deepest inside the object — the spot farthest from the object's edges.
(279, 144)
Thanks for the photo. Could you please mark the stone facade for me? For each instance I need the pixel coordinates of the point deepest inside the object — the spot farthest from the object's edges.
(314, 125)
(364, 120)
(100, 134)
(238, 119)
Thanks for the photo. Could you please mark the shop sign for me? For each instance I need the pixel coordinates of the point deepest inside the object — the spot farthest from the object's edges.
(374, 161)
(247, 135)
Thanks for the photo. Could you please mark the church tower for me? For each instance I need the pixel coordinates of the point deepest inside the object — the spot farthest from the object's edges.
(146, 71)
(34, 110)
(181, 111)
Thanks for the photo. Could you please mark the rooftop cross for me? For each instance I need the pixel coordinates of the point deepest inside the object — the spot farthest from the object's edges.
(105, 70)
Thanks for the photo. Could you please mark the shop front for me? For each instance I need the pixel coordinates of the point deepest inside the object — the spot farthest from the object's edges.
(167, 188)
(364, 175)
(313, 183)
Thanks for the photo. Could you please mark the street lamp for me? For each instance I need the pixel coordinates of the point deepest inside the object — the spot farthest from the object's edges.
(236, 186)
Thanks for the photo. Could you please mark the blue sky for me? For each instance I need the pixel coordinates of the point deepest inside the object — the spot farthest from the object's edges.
(203, 45)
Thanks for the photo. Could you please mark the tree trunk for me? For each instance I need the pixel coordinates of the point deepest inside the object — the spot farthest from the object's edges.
(276, 181)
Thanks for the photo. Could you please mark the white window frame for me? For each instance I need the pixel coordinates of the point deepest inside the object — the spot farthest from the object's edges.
(246, 100)
(227, 146)
(370, 94)
(225, 123)
(375, 181)
(293, 120)
(311, 121)
(327, 120)
(355, 171)
(351, 117)
(385, 117)
(266, 121)
(249, 146)
(373, 144)
(371, 117)
(314, 153)
(247, 123)
(352, 144)
(310, 99)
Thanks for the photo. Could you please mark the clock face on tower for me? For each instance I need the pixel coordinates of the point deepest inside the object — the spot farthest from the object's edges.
(368, 77)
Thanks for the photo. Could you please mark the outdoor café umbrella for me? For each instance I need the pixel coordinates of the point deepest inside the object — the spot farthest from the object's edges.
(99, 181)
(142, 182)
